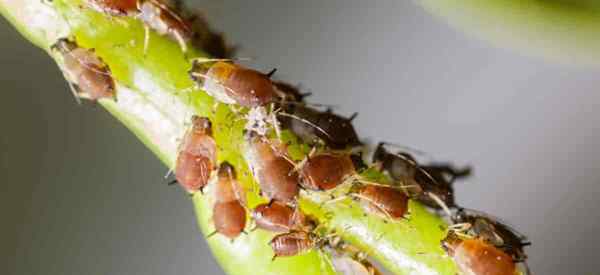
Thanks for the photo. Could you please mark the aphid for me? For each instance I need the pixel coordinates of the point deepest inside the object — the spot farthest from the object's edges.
(351, 266)
(229, 214)
(477, 257)
(387, 201)
(155, 14)
(289, 93)
(197, 157)
(312, 126)
(326, 171)
(431, 185)
(231, 83)
(293, 243)
(198, 140)
(493, 231)
(115, 7)
(165, 21)
(272, 169)
(211, 42)
(278, 217)
(88, 76)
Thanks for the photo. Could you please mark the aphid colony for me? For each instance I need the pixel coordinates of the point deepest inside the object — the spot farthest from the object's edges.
(166, 18)
(478, 243)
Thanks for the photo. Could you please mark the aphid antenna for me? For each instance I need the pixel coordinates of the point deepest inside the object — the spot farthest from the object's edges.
(74, 90)
(298, 166)
(201, 60)
(441, 203)
(169, 10)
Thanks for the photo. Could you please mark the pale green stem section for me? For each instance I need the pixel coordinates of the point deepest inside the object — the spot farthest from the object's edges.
(155, 101)
(567, 31)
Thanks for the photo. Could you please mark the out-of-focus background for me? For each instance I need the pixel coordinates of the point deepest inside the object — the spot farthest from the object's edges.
(80, 195)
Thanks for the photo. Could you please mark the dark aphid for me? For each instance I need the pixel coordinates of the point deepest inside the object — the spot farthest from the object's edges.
(197, 157)
(229, 213)
(289, 93)
(159, 17)
(387, 201)
(88, 76)
(293, 243)
(312, 126)
(211, 42)
(326, 171)
(272, 169)
(431, 185)
(489, 229)
(477, 257)
(278, 217)
(233, 84)
(115, 7)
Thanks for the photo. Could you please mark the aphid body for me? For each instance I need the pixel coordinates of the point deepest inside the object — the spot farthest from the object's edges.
(88, 75)
(114, 7)
(229, 213)
(387, 201)
(278, 217)
(313, 126)
(230, 83)
(272, 169)
(477, 257)
(293, 243)
(493, 231)
(326, 171)
(197, 156)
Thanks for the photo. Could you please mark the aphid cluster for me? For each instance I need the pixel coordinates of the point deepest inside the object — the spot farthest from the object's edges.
(478, 243)
(166, 18)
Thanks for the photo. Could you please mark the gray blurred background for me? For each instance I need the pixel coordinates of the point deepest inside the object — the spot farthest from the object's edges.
(80, 195)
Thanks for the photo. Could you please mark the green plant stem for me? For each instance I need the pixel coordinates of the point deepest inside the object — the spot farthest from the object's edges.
(155, 99)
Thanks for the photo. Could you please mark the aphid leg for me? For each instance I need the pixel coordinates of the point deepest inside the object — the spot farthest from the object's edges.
(211, 234)
(74, 91)
(299, 165)
(441, 203)
(146, 39)
(182, 43)
(172, 182)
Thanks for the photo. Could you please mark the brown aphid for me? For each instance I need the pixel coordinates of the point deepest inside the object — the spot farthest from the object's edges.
(272, 169)
(88, 76)
(384, 200)
(278, 217)
(115, 7)
(349, 265)
(197, 156)
(493, 231)
(198, 140)
(233, 84)
(229, 213)
(293, 243)
(477, 257)
(326, 171)
(313, 126)
(164, 20)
